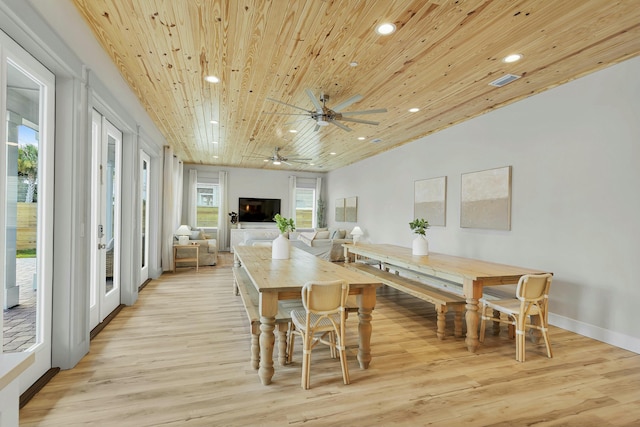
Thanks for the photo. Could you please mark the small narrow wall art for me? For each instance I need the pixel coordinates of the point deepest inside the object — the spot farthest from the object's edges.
(485, 199)
(430, 200)
(351, 209)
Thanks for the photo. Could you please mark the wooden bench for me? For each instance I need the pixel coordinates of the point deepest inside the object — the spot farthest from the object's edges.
(432, 292)
(251, 300)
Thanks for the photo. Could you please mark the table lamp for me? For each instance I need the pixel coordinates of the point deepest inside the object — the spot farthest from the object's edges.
(356, 233)
(183, 232)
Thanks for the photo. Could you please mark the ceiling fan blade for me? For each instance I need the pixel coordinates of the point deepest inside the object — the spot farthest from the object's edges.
(316, 128)
(345, 104)
(284, 114)
(340, 125)
(286, 163)
(289, 105)
(315, 102)
(296, 121)
(366, 122)
(355, 113)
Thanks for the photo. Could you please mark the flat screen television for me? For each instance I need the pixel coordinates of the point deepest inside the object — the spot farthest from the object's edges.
(252, 209)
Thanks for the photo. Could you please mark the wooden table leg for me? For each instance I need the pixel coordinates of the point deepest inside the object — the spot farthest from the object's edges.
(268, 310)
(473, 292)
(367, 301)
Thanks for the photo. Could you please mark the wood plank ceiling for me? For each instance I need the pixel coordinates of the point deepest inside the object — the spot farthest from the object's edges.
(441, 59)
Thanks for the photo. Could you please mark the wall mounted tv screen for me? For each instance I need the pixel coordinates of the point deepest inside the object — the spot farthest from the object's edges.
(257, 209)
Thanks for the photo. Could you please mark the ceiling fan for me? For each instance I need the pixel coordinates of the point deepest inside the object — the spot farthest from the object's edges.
(276, 158)
(324, 115)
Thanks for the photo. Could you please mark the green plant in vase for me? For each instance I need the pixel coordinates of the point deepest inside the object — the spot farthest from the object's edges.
(419, 226)
(420, 244)
(284, 225)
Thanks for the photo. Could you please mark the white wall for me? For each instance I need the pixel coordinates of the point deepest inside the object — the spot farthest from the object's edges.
(574, 151)
(243, 182)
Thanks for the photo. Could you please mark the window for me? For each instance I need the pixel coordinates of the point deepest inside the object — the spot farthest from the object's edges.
(305, 207)
(207, 202)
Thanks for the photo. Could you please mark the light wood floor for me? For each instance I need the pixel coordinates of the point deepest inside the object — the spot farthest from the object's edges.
(180, 357)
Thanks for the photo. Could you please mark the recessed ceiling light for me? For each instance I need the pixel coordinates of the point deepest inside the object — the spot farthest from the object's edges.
(332, 153)
(312, 164)
(265, 160)
(215, 157)
(293, 130)
(276, 162)
(385, 29)
(512, 58)
(414, 110)
(353, 64)
(214, 122)
(361, 138)
(212, 79)
(214, 142)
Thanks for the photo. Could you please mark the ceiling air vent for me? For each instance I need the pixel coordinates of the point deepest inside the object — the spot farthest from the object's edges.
(506, 79)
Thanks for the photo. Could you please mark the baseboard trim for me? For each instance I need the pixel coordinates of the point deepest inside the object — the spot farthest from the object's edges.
(597, 333)
(95, 331)
(37, 386)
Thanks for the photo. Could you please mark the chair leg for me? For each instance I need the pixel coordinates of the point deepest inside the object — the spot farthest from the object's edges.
(343, 364)
(520, 338)
(306, 362)
(543, 328)
(291, 335)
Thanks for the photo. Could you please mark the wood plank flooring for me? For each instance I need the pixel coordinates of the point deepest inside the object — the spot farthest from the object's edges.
(180, 357)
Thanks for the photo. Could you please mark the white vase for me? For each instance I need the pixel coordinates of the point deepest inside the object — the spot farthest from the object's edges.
(280, 248)
(420, 246)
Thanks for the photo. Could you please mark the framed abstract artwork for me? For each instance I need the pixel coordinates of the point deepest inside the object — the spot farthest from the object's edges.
(430, 200)
(485, 199)
(339, 210)
(351, 209)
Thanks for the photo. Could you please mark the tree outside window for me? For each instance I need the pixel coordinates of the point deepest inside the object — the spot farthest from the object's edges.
(208, 201)
(305, 207)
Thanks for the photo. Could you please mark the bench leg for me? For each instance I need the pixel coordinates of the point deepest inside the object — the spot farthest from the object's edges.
(496, 325)
(282, 343)
(457, 322)
(441, 322)
(255, 345)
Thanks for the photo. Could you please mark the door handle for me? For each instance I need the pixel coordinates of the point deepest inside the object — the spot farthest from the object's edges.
(101, 246)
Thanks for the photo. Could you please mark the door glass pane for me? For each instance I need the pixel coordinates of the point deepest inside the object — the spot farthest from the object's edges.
(110, 207)
(144, 180)
(21, 204)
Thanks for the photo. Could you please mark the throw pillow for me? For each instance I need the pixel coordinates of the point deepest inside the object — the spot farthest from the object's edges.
(307, 237)
(195, 235)
(321, 229)
(323, 235)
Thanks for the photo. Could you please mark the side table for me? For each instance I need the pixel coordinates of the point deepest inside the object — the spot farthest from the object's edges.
(191, 259)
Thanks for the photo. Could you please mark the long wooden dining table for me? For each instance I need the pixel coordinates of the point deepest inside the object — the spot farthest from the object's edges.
(472, 274)
(281, 279)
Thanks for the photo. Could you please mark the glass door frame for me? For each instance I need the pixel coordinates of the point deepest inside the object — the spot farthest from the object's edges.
(11, 53)
(105, 217)
(145, 186)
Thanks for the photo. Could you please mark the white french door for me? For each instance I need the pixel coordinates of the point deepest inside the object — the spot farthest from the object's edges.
(27, 101)
(105, 213)
(145, 163)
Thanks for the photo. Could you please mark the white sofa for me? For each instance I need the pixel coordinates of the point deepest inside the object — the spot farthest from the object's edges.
(323, 243)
